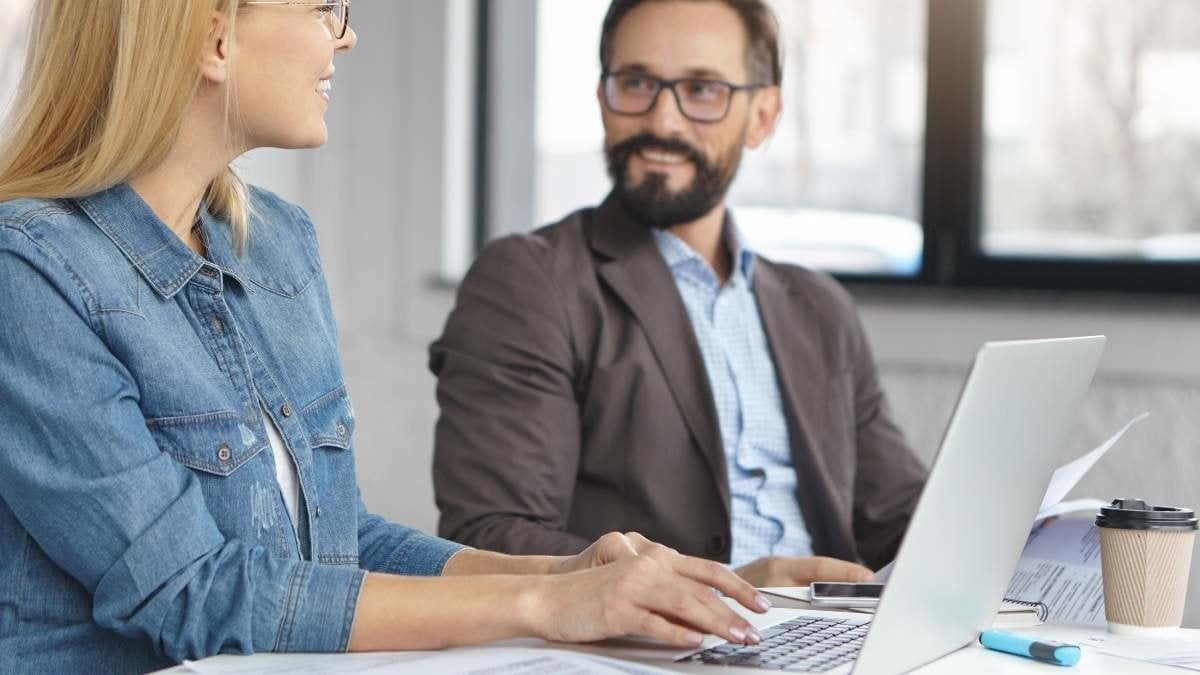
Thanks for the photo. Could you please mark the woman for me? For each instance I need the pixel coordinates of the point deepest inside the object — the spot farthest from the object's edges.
(177, 470)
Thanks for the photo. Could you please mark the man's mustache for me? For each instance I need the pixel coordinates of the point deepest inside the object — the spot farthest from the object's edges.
(647, 141)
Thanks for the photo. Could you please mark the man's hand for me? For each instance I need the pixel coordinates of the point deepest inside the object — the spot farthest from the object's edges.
(777, 571)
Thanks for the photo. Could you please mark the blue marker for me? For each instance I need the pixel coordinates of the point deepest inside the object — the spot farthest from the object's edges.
(1058, 653)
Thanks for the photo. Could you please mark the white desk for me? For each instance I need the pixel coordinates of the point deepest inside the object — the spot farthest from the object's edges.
(972, 659)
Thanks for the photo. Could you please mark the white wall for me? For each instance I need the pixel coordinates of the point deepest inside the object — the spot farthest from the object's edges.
(379, 193)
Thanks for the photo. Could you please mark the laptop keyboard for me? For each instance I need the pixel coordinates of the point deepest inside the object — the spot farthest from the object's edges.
(804, 644)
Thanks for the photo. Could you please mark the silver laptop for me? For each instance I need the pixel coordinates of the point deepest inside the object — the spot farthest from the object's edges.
(966, 536)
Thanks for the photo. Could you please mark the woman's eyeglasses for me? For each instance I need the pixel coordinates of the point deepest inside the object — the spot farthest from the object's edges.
(338, 11)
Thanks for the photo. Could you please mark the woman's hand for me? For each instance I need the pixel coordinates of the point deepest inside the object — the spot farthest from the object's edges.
(789, 571)
(635, 587)
(607, 549)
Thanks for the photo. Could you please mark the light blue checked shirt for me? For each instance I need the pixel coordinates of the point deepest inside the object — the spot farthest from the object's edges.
(766, 518)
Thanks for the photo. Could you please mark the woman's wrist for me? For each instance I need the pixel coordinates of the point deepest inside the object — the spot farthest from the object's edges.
(472, 561)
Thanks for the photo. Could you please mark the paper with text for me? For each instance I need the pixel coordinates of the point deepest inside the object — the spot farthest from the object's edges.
(1060, 567)
(507, 660)
(1178, 652)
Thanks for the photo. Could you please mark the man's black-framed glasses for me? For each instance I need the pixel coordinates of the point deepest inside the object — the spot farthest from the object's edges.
(699, 99)
(338, 11)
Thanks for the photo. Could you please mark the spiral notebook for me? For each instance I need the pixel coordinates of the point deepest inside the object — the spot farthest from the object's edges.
(1020, 614)
(1012, 613)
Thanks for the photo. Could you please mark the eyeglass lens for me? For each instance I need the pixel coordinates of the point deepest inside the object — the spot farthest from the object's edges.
(636, 93)
(339, 18)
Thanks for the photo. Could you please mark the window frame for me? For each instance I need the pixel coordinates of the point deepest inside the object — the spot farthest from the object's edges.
(952, 184)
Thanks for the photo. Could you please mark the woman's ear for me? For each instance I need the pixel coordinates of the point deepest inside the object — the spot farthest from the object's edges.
(214, 52)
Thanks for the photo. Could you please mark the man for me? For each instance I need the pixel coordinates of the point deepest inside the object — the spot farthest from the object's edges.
(636, 367)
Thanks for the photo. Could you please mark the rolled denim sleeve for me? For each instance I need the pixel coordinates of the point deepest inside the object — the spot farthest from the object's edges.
(389, 547)
(88, 483)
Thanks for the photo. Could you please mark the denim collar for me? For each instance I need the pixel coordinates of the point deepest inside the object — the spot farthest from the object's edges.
(218, 242)
(158, 254)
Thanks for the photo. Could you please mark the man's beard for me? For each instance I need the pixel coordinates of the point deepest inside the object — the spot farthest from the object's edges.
(652, 203)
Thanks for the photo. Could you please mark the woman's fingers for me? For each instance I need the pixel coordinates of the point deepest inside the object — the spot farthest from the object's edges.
(640, 543)
(652, 583)
(654, 626)
(723, 579)
(710, 573)
(654, 592)
(743, 631)
(614, 546)
(683, 601)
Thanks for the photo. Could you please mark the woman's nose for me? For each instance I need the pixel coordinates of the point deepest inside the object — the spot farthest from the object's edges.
(348, 40)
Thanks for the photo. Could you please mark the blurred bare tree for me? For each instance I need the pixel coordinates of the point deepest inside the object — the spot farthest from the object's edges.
(1122, 168)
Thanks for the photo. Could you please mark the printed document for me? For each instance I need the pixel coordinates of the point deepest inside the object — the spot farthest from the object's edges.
(507, 660)
(1060, 567)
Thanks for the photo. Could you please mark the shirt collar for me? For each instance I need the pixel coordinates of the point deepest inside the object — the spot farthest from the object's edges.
(156, 252)
(218, 242)
(678, 255)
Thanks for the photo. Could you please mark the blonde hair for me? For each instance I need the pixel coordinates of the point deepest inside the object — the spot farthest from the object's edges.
(102, 98)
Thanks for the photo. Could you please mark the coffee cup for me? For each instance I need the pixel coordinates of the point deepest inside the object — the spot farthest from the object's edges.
(1145, 555)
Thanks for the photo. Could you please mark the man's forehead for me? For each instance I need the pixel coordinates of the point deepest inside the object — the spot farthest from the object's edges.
(682, 38)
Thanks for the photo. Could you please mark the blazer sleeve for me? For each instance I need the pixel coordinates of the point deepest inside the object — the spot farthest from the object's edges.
(889, 477)
(507, 441)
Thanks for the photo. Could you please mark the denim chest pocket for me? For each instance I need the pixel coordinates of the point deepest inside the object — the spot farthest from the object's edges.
(216, 443)
(329, 422)
(242, 495)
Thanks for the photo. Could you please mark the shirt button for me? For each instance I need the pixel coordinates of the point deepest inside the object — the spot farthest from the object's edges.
(718, 544)
(318, 511)
(224, 453)
(218, 325)
(341, 428)
(208, 271)
(286, 410)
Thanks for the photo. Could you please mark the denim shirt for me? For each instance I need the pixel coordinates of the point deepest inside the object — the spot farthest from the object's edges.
(140, 518)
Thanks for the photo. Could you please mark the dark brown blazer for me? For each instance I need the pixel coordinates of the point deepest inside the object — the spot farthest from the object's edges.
(574, 402)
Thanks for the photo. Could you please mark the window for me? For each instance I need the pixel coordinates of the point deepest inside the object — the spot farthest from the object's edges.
(1093, 129)
(1002, 143)
(14, 25)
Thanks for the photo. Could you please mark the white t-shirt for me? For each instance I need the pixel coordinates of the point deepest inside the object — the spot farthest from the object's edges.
(285, 470)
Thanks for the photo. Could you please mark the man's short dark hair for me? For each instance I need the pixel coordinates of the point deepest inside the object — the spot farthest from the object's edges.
(764, 59)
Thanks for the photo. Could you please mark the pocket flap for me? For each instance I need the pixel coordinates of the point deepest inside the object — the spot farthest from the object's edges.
(329, 420)
(216, 443)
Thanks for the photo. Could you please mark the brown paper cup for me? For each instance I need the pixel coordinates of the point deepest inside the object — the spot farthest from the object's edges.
(1145, 578)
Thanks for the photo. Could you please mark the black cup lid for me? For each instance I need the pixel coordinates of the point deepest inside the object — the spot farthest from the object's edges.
(1136, 514)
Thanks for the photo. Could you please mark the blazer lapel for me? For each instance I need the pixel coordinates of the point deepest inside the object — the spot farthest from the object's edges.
(633, 268)
(794, 334)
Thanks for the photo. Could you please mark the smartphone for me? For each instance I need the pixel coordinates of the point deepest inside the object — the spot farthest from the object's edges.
(836, 594)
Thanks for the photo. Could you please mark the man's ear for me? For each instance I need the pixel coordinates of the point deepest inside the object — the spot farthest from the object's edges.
(765, 108)
(214, 52)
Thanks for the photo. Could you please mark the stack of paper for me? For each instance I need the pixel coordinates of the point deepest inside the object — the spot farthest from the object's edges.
(509, 660)
(1178, 652)
(1060, 565)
